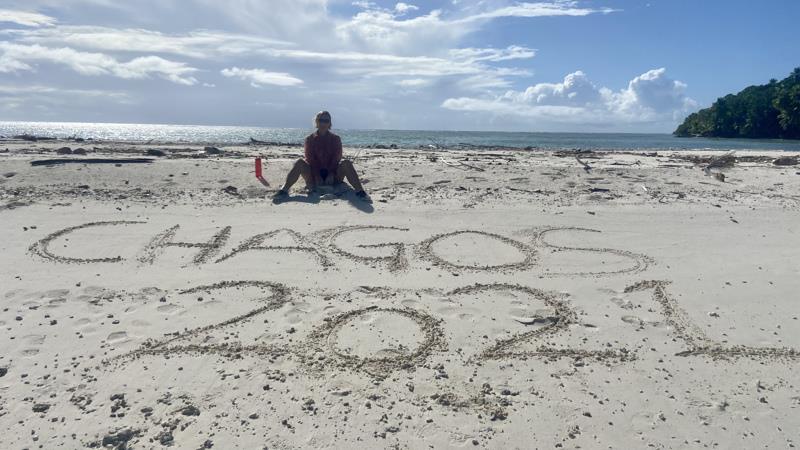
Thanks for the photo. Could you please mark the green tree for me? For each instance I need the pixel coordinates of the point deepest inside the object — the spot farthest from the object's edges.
(767, 111)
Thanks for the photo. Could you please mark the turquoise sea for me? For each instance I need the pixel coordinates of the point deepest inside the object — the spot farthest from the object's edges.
(197, 134)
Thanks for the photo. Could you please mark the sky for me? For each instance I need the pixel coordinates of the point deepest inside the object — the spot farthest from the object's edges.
(486, 65)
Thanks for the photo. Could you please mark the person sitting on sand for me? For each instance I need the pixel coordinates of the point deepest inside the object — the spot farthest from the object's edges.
(323, 164)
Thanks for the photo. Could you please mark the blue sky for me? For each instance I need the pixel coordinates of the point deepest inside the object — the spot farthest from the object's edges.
(616, 65)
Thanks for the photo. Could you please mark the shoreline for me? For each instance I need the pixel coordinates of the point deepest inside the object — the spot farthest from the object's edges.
(92, 145)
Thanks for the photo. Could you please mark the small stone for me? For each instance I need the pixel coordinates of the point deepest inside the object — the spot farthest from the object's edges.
(190, 410)
(165, 438)
(255, 416)
(786, 161)
(118, 439)
(41, 407)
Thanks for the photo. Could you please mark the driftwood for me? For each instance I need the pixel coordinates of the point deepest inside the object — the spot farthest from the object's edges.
(52, 162)
(586, 167)
(462, 163)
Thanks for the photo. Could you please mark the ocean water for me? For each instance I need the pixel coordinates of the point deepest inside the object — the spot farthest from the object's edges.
(197, 134)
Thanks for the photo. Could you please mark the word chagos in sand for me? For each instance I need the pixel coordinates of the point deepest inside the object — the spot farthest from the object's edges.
(323, 245)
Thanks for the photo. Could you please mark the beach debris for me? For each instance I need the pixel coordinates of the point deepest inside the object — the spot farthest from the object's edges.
(116, 162)
(165, 438)
(232, 190)
(190, 410)
(785, 161)
(64, 151)
(119, 439)
(213, 151)
(725, 161)
(41, 407)
(32, 138)
(79, 151)
(586, 167)
(155, 152)
(459, 164)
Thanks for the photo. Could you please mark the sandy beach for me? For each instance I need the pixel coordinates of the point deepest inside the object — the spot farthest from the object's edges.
(484, 299)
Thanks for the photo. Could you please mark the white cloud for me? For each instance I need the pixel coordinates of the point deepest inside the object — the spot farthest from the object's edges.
(258, 77)
(212, 45)
(492, 54)
(382, 29)
(28, 19)
(15, 58)
(650, 92)
(414, 82)
(402, 8)
(199, 44)
(649, 97)
(575, 89)
(52, 90)
(539, 9)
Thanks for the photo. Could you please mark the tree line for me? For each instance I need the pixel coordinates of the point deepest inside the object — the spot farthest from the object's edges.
(768, 111)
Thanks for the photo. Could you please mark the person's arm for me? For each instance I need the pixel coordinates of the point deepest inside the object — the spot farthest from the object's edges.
(338, 151)
(312, 158)
(336, 157)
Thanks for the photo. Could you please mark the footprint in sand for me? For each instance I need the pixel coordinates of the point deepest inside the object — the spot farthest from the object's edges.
(409, 303)
(622, 303)
(632, 320)
(457, 312)
(117, 337)
(169, 308)
(32, 341)
(55, 293)
(55, 302)
(295, 315)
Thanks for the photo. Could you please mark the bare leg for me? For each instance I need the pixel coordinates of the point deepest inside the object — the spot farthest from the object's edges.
(346, 170)
(301, 167)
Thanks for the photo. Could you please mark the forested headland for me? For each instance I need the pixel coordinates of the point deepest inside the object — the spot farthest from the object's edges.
(769, 111)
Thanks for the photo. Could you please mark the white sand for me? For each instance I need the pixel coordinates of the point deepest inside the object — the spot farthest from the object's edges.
(517, 301)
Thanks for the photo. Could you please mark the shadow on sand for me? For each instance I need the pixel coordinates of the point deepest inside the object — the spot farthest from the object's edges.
(341, 192)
